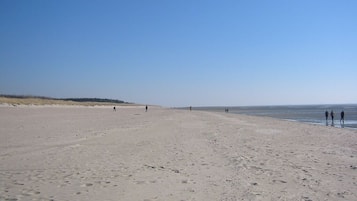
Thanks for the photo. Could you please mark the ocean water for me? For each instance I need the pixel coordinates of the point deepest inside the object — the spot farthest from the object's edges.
(313, 114)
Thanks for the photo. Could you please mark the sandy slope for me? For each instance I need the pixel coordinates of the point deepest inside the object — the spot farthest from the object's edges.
(88, 153)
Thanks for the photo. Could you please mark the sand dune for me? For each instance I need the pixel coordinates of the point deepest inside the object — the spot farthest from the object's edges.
(93, 153)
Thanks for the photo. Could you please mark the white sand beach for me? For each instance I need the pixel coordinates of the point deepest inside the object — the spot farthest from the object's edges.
(93, 153)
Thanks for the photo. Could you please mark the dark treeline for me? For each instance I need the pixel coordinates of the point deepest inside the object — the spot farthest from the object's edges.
(26, 96)
(100, 100)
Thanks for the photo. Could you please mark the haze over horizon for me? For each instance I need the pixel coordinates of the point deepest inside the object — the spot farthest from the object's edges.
(181, 53)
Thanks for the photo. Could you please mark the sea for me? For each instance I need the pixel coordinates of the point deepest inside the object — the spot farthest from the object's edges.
(312, 114)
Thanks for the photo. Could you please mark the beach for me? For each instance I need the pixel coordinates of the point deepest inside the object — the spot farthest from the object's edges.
(95, 153)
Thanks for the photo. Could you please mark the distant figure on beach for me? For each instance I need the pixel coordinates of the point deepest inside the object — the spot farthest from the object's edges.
(226, 110)
(342, 117)
(114, 109)
(190, 108)
(326, 115)
(332, 115)
(146, 108)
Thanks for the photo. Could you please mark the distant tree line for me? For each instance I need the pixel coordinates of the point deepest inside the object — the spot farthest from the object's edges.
(100, 100)
(24, 96)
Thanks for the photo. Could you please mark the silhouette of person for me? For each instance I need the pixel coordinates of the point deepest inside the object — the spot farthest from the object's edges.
(190, 108)
(332, 115)
(342, 117)
(114, 109)
(146, 108)
(326, 115)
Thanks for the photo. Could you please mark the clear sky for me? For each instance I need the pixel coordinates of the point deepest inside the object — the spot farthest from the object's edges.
(181, 53)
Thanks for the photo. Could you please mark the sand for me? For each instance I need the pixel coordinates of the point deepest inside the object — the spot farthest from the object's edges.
(94, 153)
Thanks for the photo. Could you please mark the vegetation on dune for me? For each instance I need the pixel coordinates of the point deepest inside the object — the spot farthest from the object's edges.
(41, 100)
(98, 100)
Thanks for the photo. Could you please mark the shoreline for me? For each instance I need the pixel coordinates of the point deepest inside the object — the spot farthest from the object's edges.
(310, 114)
(94, 153)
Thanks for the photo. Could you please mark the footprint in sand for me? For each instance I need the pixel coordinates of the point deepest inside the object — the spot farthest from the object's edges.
(29, 192)
(140, 182)
(281, 181)
(87, 185)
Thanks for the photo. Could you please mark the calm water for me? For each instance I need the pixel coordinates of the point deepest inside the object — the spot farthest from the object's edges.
(314, 114)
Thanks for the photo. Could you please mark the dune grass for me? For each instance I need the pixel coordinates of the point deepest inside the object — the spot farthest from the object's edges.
(24, 100)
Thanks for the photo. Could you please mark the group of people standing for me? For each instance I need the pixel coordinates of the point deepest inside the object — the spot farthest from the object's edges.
(342, 119)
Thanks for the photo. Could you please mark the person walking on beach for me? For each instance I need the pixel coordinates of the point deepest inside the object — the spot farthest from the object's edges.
(326, 115)
(146, 108)
(114, 109)
(332, 115)
(342, 117)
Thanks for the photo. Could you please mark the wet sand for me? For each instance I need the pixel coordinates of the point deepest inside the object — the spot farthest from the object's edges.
(94, 153)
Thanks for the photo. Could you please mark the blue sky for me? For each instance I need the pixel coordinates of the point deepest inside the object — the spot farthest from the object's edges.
(180, 53)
